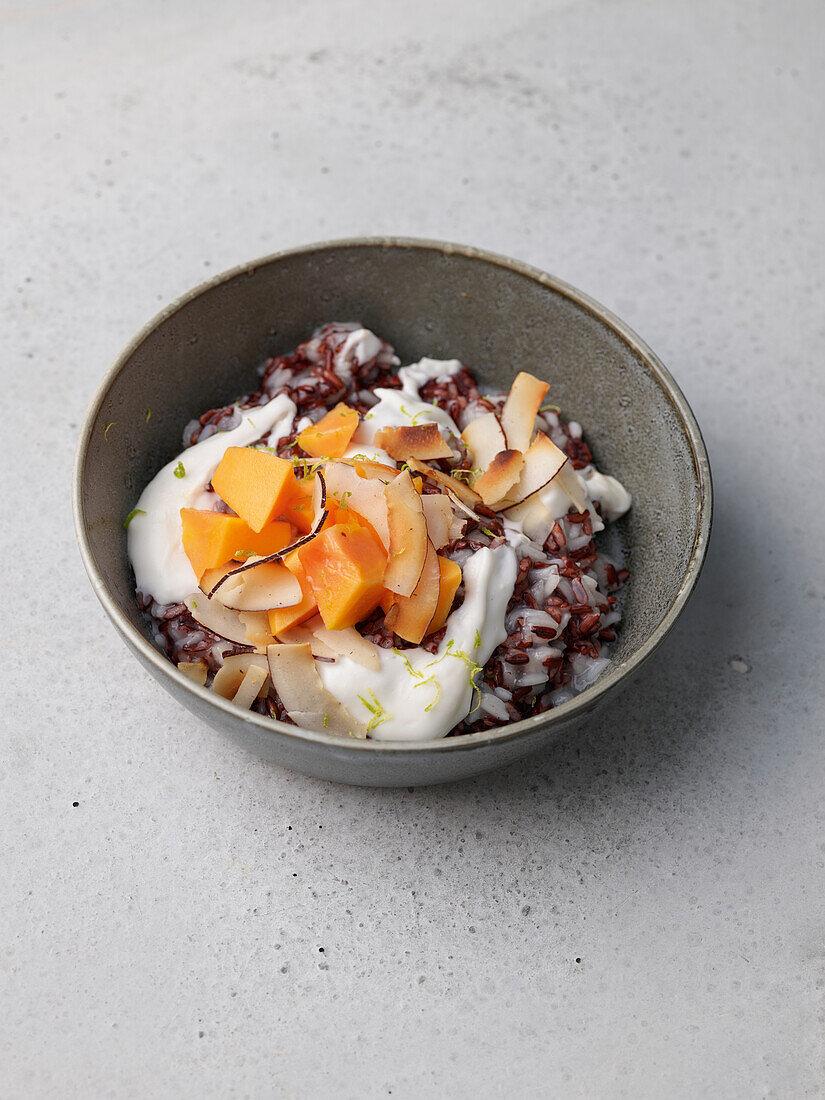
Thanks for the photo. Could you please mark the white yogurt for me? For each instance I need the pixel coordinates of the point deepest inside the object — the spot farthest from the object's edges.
(161, 567)
(610, 493)
(416, 696)
(361, 344)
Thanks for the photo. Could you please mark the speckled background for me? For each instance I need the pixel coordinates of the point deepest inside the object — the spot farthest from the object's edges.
(637, 913)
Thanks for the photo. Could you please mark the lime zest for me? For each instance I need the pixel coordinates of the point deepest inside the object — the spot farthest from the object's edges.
(111, 424)
(179, 470)
(148, 414)
(431, 680)
(131, 516)
(407, 664)
(378, 712)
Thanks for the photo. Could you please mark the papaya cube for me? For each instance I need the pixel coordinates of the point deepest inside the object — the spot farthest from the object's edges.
(275, 536)
(300, 510)
(282, 618)
(450, 580)
(255, 484)
(211, 539)
(345, 567)
(331, 436)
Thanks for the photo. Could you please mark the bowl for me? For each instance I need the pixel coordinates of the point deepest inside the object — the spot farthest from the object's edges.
(427, 298)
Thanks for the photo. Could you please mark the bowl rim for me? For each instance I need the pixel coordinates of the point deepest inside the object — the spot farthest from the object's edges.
(558, 716)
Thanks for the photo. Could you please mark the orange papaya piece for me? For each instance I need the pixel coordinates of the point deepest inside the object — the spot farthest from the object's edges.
(300, 510)
(345, 567)
(450, 580)
(255, 484)
(275, 536)
(282, 618)
(211, 539)
(331, 436)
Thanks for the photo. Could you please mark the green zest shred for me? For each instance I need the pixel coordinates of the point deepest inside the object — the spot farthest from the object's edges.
(379, 714)
(131, 516)
(148, 414)
(180, 470)
(304, 469)
(412, 671)
(431, 680)
(477, 640)
(111, 424)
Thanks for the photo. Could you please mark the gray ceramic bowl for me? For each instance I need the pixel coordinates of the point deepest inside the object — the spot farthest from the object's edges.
(427, 298)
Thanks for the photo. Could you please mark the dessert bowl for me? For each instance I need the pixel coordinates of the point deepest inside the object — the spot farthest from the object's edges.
(427, 298)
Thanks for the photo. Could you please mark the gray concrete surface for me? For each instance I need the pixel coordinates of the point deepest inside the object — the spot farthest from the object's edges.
(638, 913)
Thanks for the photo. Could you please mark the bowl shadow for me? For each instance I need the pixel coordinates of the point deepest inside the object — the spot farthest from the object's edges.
(630, 768)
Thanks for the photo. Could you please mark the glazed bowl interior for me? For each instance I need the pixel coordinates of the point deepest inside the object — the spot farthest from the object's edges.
(431, 299)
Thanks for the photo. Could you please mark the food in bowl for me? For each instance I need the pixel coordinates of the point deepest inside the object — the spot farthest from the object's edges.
(381, 551)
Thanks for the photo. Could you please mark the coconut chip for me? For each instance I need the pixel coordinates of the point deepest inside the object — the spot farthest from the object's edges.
(217, 618)
(542, 462)
(438, 513)
(264, 589)
(242, 678)
(194, 670)
(571, 485)
(307, 701)
(415, 441)
(523, 402)
(484, 437)
(347, 643)
(458, 488)
(408, 536)
(364, 495)
(410, 617)
(502, 473)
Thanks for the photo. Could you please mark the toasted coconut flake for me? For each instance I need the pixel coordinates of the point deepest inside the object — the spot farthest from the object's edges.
(252, 685)
(242, 678)
(264, 589)
(410, 617)
(502, 473)
(217, 618)
(571, 485)
(368, 468)
(364, 495)
(542, 462)
(462, 507)
(413, 441)
(307, 701)
(459, 525)
(304, 635)
(484, 437)
(256, 624)
(458, 488)
(347, 643)
(408, 535)
(438, 513)
(194, 670)
(519, 413)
